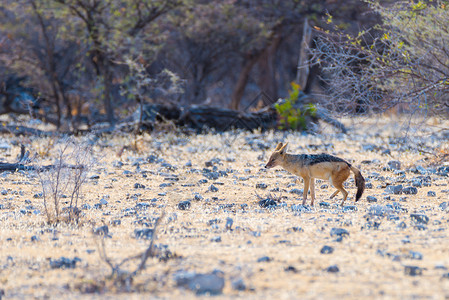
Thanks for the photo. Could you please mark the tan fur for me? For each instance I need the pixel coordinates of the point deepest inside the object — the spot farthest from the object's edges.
(336, 171)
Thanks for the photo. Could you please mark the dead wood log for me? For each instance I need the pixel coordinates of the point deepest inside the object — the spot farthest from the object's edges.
(22, 130)
(23, 159)
(202, 118)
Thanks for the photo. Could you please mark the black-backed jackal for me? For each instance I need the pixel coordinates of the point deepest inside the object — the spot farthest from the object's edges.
(322, 166)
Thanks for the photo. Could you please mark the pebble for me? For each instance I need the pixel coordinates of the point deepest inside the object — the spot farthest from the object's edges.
(341, 232)
(213, 188)
(415, 255)
(291, 269)
(371, 199)
(394, 165)
(296, 191)
(326, 250)
(64, 262)
(419, 218)
(102, 230)
(229, 223)
(394, 189)
(333, 269)
(238, 284)
(139, 186)
(410, 190)
(349, 208)
(261, 186)
(146, 233)
(264, 259)
(324, 204)
(184, 205)
(431, 194)
(267, 203)
(198, 197)
(216, 239)
(412, 270)
(211, 283)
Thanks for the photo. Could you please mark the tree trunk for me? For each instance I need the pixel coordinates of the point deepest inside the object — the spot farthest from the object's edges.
(267, 72)
(107, 79)
(302, 74)
(239, 89)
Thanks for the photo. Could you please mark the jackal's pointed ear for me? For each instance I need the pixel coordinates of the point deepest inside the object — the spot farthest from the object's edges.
(279, 146)
(283, 149)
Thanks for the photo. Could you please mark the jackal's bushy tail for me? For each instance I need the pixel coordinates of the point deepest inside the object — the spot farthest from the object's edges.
(359, 182)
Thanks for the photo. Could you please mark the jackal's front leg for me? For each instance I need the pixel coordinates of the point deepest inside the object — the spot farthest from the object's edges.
(312, 190)
(306, 190)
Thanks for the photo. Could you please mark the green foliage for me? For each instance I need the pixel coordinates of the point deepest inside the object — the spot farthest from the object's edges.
(292, 117)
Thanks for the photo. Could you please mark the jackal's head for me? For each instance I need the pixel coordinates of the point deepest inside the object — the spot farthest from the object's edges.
(277, 157)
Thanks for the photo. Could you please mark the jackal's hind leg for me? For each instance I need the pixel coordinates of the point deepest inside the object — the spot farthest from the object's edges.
(339, 186)
(334, 194)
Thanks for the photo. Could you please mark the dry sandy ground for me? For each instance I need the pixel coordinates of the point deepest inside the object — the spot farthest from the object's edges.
(275, 253)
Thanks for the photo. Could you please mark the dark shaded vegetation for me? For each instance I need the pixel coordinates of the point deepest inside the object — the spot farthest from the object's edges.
(76, 63)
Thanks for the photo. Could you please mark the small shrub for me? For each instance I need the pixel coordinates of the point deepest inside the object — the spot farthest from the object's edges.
(291, 115)
(62, 181)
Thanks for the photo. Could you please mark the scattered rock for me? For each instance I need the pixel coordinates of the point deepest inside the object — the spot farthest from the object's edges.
(333, 269)
(102, 230)
(348, 208)
(184, 205)
(412, 270)
(444, 205)
(198, 197)
(264, 259)
(216, 239)
(261, 186)
(229, 222)
(326, 250)
(419, 218)
(371, 199)
(267, 203)
(64, 263)
(431, 194)
(238, 284)
(410, 190)
(415, 255)
(211, 283)
(394, 165)
(301, 208)
(103, 200)
(213, 188)
(324, 204)
(146, 233)
(139, 186)
(296, 191)
(443, 171)
(291, 269)
(394, 189)
(341, 232)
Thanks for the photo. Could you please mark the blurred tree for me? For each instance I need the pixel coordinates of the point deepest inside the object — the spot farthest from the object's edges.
(57, 40)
